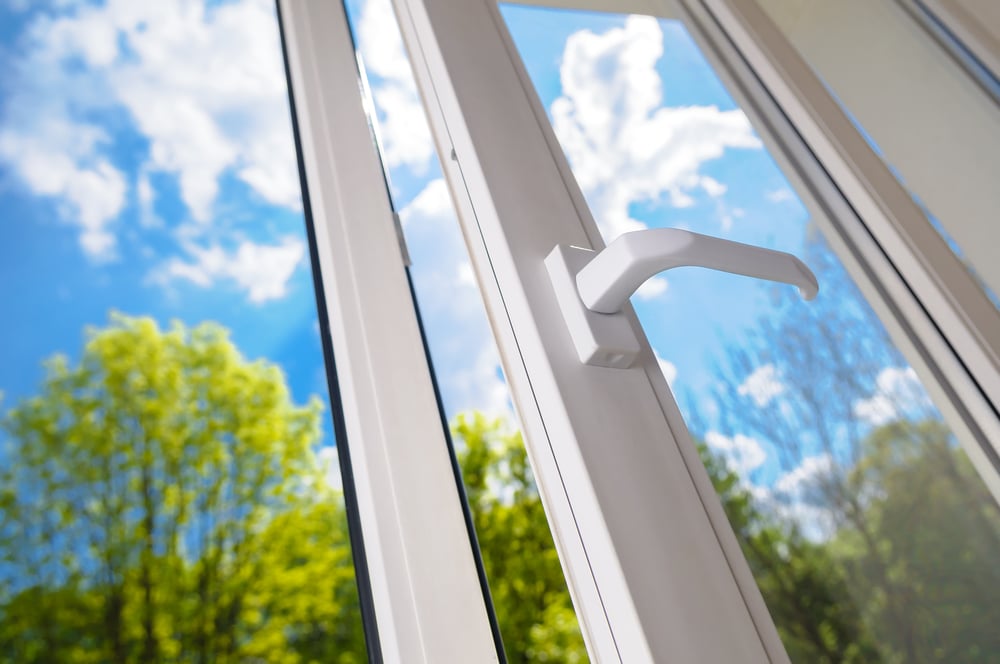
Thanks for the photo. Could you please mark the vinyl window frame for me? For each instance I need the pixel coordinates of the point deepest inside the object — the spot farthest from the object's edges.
(652, 563)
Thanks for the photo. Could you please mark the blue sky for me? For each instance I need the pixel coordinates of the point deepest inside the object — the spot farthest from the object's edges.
(158, 182)
(654, 140)
(147, 166)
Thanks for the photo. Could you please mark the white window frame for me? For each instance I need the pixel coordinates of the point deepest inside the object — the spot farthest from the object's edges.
(965, 25)
(654, 568)
(652, 563)
(428, 602)
(933, 307)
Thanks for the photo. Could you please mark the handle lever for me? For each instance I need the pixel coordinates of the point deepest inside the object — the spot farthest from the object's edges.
(593, 287)
(618, 270)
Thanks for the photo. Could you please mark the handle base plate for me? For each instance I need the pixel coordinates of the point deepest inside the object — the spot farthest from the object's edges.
(601, 340)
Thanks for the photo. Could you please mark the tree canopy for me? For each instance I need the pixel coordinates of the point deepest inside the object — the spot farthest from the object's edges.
(161, 500)
(529, 591)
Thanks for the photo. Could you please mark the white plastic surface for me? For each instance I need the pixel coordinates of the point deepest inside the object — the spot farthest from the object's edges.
(592, 287)
(602, 340)
(607, 281)
(428, 601)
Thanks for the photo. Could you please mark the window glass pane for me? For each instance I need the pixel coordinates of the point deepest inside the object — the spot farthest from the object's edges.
(169, 485)
(933, 123)
(870, 534)
(970, 30)
(529, 592)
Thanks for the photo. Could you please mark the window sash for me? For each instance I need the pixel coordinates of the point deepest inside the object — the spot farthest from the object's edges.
(636, 520)
(428, 602)
(653, 566)
(652, 563)
(965, 27)
(932, 306)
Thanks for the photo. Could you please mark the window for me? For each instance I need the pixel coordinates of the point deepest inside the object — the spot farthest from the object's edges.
(968, 28)
(908, 87)
(532, 606)
(518, 199)
(816, 431)
(274, 473)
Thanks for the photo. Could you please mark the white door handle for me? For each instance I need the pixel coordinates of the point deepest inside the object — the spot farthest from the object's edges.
(592, 287)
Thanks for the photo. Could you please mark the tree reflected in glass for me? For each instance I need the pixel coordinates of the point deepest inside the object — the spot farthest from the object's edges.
(877, 541)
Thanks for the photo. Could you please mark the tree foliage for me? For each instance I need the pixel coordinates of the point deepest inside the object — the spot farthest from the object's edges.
(923, 564)
(800, 580)
(902, 532)
(161, 502)
(529, 591)
(802, 584)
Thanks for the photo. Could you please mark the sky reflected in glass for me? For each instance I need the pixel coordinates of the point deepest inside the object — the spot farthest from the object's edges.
(867, 528)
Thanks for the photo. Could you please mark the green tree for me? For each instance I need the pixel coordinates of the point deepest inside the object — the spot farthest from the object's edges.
(938, 529)
(899, 522)
(529, 591)
(801, 583)
(803, 586)
(161, 502)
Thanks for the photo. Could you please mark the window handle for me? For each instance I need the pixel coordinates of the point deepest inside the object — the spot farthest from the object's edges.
(593, 286)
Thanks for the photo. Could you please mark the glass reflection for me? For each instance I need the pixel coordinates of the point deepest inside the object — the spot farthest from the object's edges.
(868, 530)
(529, 594)
(899, 82)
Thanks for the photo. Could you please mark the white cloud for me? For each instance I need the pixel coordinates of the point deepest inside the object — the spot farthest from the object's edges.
(61, 161)
(204, 86)
(146, 197)
(263, 271)
(625, 147)
(431, 204)
(712, 187)
(763, 385)
(743, 454)
(798, 497)
(898, 393)
(783, 195)
(207, 87)
(652, 288)
(802, 477)
(465, 275)
(402, 125)
(144, 190)
(480, 383)
(727, 215)
(380, 42)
